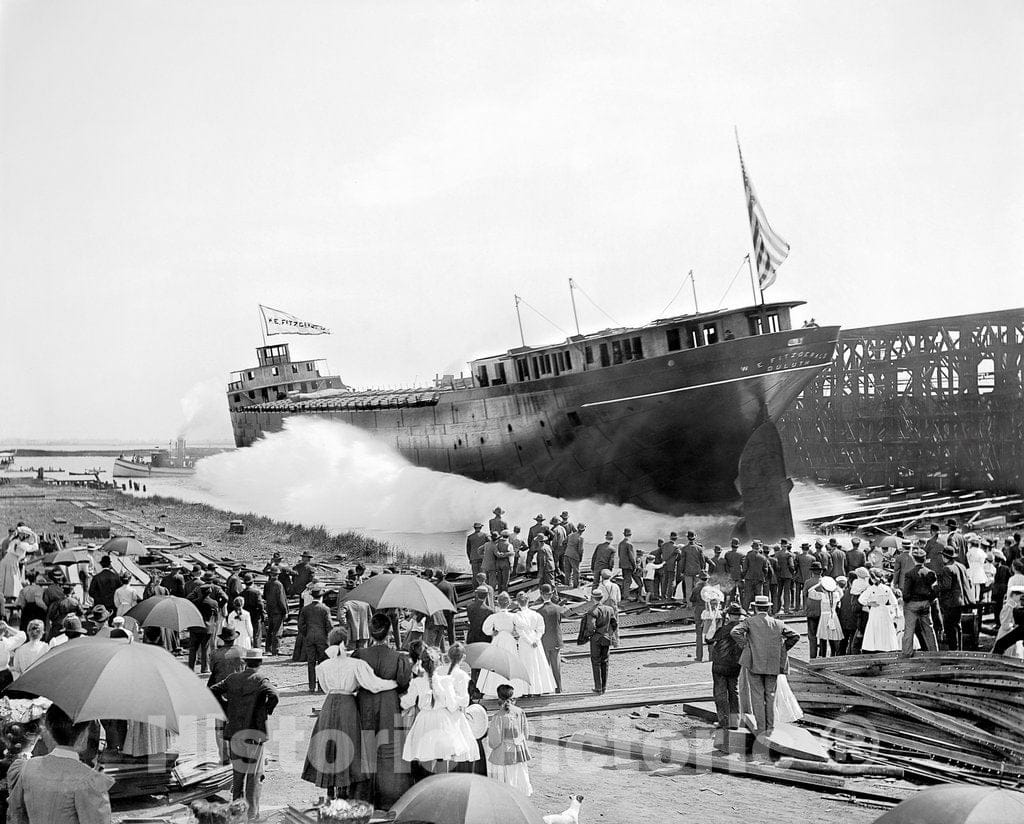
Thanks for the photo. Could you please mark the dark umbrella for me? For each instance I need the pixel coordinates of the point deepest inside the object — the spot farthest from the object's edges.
(958, 804)
(496, 659)
(400, 592)
(167, 611)
(92, 678)
(454, 798)
(123, 546)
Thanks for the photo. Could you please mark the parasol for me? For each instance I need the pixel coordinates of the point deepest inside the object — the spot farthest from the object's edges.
(123, 546)
(167, 612)
(496, 659)
(68, 556)
(400, 592)
(458, 797)
(958, 804)
(889, 542)
(92, 678)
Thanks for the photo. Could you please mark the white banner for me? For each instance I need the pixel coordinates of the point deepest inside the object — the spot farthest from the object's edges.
(277, 322)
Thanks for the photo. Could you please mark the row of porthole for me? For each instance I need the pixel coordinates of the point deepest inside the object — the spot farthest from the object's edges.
(459, 442)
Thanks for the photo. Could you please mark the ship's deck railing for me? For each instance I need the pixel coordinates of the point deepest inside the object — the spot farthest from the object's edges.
(353, 400)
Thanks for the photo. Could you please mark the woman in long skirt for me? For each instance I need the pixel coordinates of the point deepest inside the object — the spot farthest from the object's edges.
(830, 632)
(529, 627)
(509, 757)
(880, 634)
(502, 626)
(333, 757)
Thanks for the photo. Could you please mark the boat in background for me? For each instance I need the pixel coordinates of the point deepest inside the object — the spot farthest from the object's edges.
(156, 463)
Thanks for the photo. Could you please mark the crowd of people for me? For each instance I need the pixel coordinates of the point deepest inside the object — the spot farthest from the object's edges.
(400, 699)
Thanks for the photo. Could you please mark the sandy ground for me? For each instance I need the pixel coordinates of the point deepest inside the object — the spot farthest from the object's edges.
(615, 790)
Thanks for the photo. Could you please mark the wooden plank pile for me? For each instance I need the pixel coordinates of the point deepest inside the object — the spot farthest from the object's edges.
(941, 716)
(140, 776)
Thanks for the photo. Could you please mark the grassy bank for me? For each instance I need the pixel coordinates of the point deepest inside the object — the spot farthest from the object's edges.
(58, 510)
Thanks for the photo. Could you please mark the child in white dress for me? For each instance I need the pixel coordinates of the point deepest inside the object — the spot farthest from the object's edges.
(437, 737)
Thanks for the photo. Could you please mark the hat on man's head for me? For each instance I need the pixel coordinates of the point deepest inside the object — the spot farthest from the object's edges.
(906, 543)
(316, 591)
(247, 578)
(208, 576)
(805, 545)
(482, 591)
(841, 580)
(734, 609)
(505, 533)
(691, 534)
(538, 517)
(784, 542)
(948, 552)
(580, 526)
(818, 543)
(627, 531)
(498, 510)
(99, 613)
(815, 566)
(307, 554)
(950, 522)
(72, 625)
(228, 633)
(555, 520)
(597, 593)
(274, 570)
(252, 655)
(918, 554)
(735, 542)
(761, 602)
(832, 541)
(477, 525)
(609, 535)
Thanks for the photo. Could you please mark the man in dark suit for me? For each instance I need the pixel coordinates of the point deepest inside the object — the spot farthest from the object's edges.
(552, 638)
(476, 613)
(837, 559)
(248, 698)
(766, 642)
(276, 603)
(918, 588)
(497, 523)
(628, 565)
(546, 571)
(802, 561)
(955, 593)
(755, 572)
(785, 571)
(388, 777)
(855, 557)
(603, 557)
(599, 626)
(667, 574)
(104, 584)
(725, 669)
(474, 547)
(252, 602)
(734, 568)
(303, 575)
(502, 562)
(174, 581)
(691, 564)
(314, 627)
(448, 590)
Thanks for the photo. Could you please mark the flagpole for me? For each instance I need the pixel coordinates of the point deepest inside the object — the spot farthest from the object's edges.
(519, 317)
(263, 331)
(753, 287)
(693, 283)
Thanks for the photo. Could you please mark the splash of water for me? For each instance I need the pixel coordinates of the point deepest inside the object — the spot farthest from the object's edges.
(202, 407)
(336, 475)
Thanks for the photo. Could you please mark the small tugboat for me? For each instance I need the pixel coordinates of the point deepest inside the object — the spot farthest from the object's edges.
(156, 463)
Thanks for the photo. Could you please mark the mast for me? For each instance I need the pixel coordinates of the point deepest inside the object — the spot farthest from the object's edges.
(693, 283)
(572, 297)
(519, 318)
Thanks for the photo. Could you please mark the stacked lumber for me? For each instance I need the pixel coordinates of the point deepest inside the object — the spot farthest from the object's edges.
(941, 716)
(148, 775)
(198, 777)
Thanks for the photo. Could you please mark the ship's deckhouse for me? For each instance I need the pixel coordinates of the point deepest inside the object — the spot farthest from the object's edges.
(276, 376)
(611, 347)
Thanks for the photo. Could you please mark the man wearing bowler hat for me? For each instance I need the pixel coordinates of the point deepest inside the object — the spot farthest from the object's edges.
(497, 523)
(303, 574)
(918, 596)
(314, 627)
(955, 592)
(474, 547)
(725, 668)
(248, 699)
(765, 641)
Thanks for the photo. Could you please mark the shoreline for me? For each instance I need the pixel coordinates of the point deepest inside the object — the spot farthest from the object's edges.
(164, 519)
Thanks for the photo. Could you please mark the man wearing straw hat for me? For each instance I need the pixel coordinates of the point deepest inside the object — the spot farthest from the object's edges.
(766, 642)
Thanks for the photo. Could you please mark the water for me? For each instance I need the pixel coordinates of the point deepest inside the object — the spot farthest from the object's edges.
(326, 473)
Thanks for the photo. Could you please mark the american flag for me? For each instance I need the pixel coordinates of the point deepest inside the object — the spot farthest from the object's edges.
(769, 248)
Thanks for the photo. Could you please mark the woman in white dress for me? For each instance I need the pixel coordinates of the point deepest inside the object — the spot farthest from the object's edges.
(238, 619)
(880, 633)
(440, 734)
(976, 557)
(530, 630)
(502, 627)
(1014, 598)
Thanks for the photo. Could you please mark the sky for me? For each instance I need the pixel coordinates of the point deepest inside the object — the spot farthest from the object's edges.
(398, 171)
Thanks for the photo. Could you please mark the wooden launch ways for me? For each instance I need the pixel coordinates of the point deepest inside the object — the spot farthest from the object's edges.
(615, 699)
(667, 752)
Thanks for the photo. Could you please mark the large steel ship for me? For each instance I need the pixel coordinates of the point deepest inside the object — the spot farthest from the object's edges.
(658, 415)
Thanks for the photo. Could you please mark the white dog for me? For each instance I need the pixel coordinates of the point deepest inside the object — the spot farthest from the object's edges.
(570, 816)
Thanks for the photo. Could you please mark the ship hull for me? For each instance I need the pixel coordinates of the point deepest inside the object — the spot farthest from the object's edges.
(130, 469)
(658, 433)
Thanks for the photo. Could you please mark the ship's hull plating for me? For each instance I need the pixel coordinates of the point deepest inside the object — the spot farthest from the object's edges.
(658, 433)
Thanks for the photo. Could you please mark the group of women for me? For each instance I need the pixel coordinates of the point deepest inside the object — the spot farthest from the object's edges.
(520, 633)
